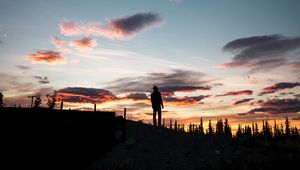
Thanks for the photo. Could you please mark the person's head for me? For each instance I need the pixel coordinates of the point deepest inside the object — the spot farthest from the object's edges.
(155, 88)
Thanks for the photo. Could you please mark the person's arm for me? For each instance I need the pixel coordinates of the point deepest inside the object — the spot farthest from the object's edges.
(161, 102)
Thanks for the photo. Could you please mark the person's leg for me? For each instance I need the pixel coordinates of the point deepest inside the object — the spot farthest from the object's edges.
(154, 117)
(159, 117)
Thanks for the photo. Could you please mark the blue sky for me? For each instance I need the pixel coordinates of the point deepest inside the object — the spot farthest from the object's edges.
(184, 35)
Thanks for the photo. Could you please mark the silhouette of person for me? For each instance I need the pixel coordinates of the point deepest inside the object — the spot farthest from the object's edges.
(157, 105)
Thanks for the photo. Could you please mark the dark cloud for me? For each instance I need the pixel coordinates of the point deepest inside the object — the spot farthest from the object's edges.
(242, 101)
(261, 53)
(177, 80)
(236, 93)
(21, 67)
(135, 23)
(85, 95)
(297, 95)
(277, 106)
(46, 57)
(137, 96)
(169, 90)
(278, 87)
(42, 80)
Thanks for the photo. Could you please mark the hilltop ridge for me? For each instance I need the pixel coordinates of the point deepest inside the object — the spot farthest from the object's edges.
(148, 147)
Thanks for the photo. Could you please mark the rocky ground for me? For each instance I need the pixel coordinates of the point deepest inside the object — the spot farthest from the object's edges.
(147, 147)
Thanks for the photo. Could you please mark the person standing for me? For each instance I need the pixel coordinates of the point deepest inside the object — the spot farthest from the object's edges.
(157, 105)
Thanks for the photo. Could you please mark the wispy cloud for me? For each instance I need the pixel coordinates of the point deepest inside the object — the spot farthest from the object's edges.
(169, 82)
(261, 53)
(42, 80)
(21, 67)
(242, 101)
(117, 28)
(295, 66)
(236, 93)
(185, 101)
(279, 87)
(46, 57)
(84, 44)
(57, 42)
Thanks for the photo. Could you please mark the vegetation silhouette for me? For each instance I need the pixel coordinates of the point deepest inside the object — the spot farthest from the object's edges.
(37, 101)
(1, 99)
(223, 129)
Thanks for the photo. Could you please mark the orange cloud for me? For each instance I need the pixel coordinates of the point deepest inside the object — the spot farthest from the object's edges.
(84, 43)
(46, 57)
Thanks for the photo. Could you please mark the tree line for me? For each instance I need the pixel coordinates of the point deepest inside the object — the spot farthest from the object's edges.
(36, 100)
(222, 128)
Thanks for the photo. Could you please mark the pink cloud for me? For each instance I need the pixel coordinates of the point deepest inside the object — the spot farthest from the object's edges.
(84, 43)
(57, 42)
(117, 28)
(45, 57)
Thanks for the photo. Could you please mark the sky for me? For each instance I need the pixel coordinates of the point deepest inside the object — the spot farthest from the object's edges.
(209, 58)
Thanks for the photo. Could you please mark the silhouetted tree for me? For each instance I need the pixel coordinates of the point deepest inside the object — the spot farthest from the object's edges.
(37, 101)
(210, 128)
(219, 127)
(164, 122)
(287, 127)
(175, 125)
(201, 131)
(51, 100)
(227, 128)
(171, 123)
(239, 131)
(1, 99)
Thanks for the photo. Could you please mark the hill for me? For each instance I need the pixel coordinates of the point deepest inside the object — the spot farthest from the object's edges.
(147, 147)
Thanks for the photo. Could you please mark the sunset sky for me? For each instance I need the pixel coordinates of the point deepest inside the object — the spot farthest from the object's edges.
(209, 58)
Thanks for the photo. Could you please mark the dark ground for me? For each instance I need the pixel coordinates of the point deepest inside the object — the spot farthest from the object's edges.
(147, 147)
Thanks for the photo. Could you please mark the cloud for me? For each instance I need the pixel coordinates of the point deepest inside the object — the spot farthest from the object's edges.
(85, 95)
(279, 87)
(184, 101)
(42, 80)
(117, 28)
(137, 96)
(261, 53)
(177, 80)
(296, 118)
(57, 42)
(295, 66)
(46, 57)
(21, 67)
(277, 106)
(236, 93)
(175, 1)
(84, 44)
(242, 101)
